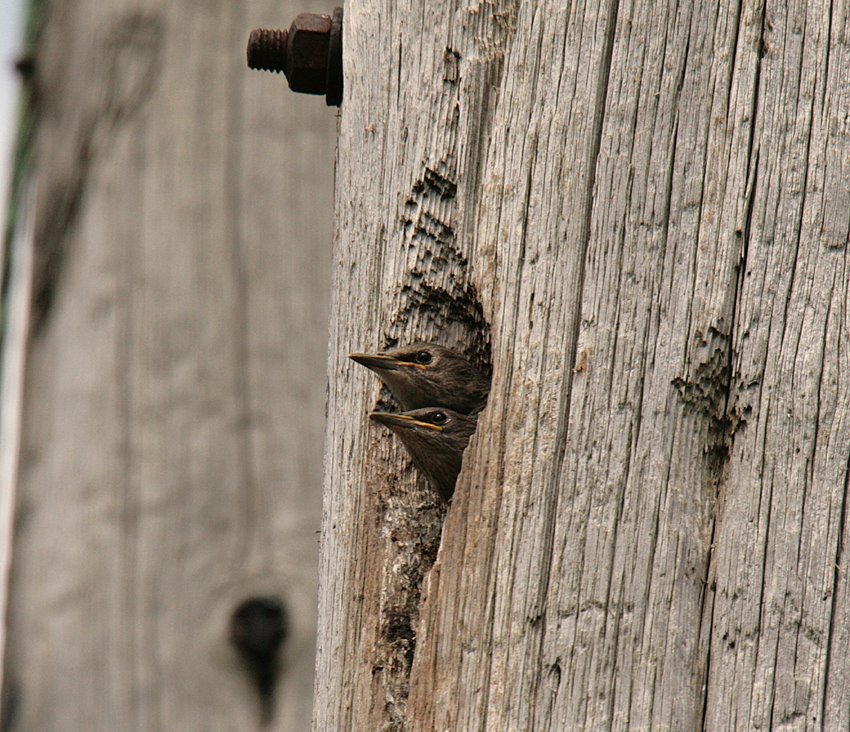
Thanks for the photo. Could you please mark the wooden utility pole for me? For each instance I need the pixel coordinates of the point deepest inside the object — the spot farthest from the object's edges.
(170, 460)
(639, 213)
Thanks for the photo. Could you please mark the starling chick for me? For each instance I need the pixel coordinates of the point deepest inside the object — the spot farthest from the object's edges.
(425, 375)
(435, 439)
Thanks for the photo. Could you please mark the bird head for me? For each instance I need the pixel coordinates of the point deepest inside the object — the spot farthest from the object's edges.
(425, 374)
(435, 438)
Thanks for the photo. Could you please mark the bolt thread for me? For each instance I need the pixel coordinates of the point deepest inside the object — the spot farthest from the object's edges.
(267, 49)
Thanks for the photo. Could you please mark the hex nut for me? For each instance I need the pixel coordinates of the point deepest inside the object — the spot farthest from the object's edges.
(307, 53)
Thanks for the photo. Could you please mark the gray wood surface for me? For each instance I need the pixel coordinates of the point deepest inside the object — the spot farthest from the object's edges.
(174, 407)
(643, 208)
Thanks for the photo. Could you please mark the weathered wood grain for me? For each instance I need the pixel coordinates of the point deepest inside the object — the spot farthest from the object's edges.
(780, 616)
(173, 414)
(630, 202)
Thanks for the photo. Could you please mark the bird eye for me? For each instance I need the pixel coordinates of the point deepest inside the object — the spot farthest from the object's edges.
(439, 418)
(422, 357)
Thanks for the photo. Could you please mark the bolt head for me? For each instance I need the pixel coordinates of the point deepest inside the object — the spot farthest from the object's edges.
(307, 53)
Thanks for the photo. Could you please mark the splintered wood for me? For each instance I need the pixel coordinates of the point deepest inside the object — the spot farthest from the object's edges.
(638, 213)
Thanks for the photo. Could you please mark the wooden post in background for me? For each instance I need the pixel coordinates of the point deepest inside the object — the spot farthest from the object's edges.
(643, 210)
(174, 403)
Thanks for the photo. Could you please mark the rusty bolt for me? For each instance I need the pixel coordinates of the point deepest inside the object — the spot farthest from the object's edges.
(309, 54)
